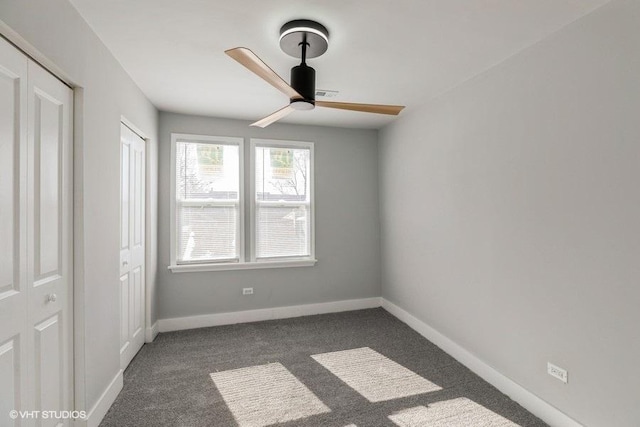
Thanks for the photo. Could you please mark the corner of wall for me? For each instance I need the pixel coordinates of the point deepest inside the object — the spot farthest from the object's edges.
(101, 407)
(537, 406)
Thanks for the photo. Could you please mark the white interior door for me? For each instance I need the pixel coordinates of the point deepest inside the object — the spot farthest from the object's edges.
(14, 330)
(49, 237)
(132, 244)
(35, 241)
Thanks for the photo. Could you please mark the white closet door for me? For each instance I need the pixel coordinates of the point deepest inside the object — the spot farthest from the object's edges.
(132, 244)
(35, 241)
(14, 330)
(49, 237)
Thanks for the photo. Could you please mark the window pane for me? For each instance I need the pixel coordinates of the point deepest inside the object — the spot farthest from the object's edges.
(282, 174)
(207, 171)
(282, 231)
(207, 233)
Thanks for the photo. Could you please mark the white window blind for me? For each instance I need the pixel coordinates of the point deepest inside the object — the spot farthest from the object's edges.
(207, 205)
(283, 201)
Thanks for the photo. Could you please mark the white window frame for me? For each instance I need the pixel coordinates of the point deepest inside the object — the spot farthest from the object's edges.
(206, 139)
(247, 259)
(273, 143)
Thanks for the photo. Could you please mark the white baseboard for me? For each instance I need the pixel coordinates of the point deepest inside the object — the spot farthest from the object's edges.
(545, 411)
(206, 320)
(151, 333)
(99, 410)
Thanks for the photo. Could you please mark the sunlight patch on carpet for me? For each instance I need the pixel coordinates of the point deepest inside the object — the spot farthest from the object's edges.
(263, 395)
(374, 376)
(460, 412)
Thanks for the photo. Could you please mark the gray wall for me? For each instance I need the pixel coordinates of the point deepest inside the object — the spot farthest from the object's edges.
(105, 93)
(347, 226)
(510, 216)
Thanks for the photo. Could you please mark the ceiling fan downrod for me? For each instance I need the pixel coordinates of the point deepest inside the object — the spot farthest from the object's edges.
(303, 80)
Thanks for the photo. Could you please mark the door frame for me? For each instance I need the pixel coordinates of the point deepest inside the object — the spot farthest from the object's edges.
(149, 333)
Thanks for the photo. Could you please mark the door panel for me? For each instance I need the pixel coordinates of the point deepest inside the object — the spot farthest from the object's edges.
(138, 195)
(10, 378)
(124, 314)
(132, 251)
(49, 123)
(124, 193)
(49, 241)
(136, 324)
(12, 89)
(14, 327)
(49, 351)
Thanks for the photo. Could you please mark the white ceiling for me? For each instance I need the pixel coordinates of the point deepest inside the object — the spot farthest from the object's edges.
(380, 51)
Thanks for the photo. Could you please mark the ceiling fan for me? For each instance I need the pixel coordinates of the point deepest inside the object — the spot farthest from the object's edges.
(302, 39)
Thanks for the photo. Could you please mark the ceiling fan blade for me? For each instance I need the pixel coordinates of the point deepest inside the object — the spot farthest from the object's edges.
(273, 117)
(393, 110)
(251, 61)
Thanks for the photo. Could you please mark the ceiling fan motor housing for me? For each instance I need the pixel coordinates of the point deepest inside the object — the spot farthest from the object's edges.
(303, 80)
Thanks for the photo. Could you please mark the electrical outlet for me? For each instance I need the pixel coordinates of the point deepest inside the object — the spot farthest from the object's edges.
(247, 291)
(557, 372)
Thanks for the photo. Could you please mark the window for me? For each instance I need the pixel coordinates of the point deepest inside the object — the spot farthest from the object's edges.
(207, 215)
(208, 211)
(282, 214)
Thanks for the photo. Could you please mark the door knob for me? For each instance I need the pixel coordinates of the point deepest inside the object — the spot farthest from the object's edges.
(51, 298)
(125, 263)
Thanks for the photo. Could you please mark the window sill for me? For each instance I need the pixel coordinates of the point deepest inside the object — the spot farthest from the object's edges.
(186, 268)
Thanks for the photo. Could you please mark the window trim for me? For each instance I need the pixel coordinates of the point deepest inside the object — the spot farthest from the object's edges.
(240, 233)
(243, 263)
(276, 143)
(222, 266)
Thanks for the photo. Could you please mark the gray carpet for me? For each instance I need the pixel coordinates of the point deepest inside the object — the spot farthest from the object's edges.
(203, 377)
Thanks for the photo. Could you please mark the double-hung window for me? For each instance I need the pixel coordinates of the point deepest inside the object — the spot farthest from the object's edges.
(282, 214)
(207, 215)
(208, 218)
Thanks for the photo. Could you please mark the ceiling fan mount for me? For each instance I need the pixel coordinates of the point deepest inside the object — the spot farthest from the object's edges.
(304, 32)
(304, 39)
